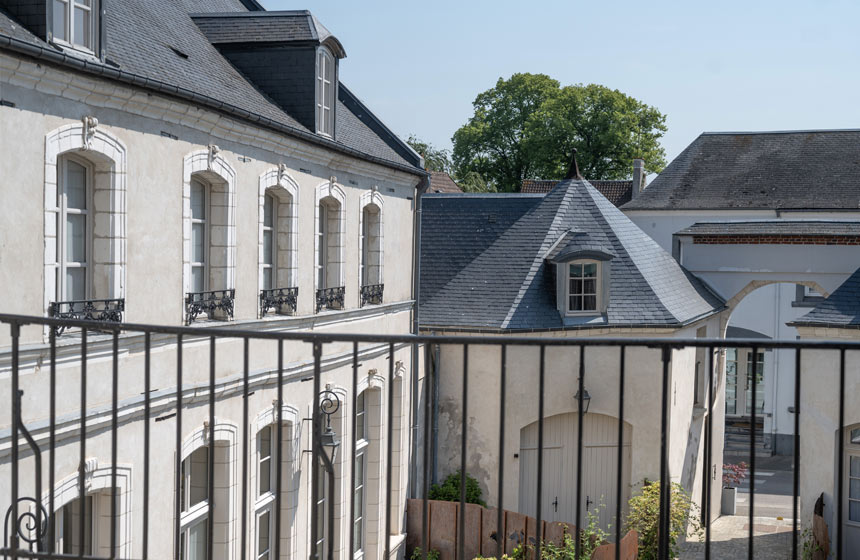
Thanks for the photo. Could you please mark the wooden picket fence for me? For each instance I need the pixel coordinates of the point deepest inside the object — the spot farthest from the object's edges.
(481, 526)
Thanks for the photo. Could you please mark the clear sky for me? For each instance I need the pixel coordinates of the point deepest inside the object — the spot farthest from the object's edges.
(709, 66)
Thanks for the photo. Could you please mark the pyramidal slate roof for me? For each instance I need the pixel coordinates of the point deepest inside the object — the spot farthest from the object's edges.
(484, 263)
(817, 169)
(840, 310)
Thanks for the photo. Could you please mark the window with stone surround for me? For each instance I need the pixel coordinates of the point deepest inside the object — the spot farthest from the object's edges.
(75, 23)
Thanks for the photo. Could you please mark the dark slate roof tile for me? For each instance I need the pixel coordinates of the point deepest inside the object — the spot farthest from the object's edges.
(841, 309)
(760, 170)
(829, 228)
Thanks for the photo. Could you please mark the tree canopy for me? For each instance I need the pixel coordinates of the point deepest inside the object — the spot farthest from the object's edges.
(435, 159)
(526, 127)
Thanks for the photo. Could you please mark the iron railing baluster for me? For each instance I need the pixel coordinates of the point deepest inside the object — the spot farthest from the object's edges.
(114, 426)
(840, 477)
(580, 420)
(243, 537)
(796, 482)
(541, 404)
(279, 456)
(665, 488)
(52, 440)
(500, 532)
(751, 537)
(461, 523)
(147, 388)
(315, 457)
(709, 435)
(389, 452)
(620, 458)
(15, 331)
(177, 553)
(82, 489)
(210, 456)
(354, 432)
(425, 506)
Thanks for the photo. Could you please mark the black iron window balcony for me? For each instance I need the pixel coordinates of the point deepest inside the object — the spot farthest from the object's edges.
(330, 298)
(283, 300)
(372, 294)
(103, 310)
(216, 304)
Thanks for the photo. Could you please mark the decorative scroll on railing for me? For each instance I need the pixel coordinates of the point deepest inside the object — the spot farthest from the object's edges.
(330, 298)
(106, 310)
(216, 304)
(282, 300)
(372, 294)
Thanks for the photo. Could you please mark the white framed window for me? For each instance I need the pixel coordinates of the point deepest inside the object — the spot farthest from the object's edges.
(69, 523)
(74, 22)
(74, 230)
(322, 246)
(371, 245)
(199, 236)
(265, 493)
(270, 242)
(583, 287)
(325, 92)
(359, 483)
(194, 505)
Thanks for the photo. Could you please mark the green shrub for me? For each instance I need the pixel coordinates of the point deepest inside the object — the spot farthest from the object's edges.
(644, 517)
(449, 490)
(418, 554)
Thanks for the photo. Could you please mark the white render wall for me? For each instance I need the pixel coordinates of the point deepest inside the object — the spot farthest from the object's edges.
(153, 175)
(643, 379)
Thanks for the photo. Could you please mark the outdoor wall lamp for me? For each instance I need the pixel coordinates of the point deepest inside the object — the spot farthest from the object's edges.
(329, 404)
(586, 399)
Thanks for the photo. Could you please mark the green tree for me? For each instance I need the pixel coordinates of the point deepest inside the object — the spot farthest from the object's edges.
(526, 127)
(494, 141)
(472, 182)
(435, 159)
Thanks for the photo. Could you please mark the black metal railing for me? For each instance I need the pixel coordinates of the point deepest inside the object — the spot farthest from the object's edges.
(107, 310)
(282, 300)
(216, 304)
(330, 298)
(372, 294)
(42, 431)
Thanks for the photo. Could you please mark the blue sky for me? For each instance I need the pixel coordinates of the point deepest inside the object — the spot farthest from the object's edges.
(709, 66)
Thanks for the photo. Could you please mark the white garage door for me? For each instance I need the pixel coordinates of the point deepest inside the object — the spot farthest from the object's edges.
(599, 468)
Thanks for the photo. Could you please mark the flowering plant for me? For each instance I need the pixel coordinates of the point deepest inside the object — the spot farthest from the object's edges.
(733, 474)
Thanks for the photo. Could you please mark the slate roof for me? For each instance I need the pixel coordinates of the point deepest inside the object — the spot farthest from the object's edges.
(816, 169)
(156, 44)
(483, 263)
(270, 27)
(775, 227)
(617, 192)
(840, 310)
(441, 182)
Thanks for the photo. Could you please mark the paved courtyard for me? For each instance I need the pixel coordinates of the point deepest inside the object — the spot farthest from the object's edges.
(729, 539)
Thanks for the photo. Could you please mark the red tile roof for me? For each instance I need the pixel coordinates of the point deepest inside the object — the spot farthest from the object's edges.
(441, 182)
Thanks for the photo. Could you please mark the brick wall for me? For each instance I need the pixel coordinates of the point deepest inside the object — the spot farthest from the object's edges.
(776, 239)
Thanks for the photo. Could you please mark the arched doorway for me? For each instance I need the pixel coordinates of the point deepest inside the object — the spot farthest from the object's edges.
(599, 467)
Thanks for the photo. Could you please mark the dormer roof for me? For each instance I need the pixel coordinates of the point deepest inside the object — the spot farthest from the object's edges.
(484, 263)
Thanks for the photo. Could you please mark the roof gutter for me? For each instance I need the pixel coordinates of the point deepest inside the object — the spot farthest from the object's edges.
(416, 290)
(57, 57)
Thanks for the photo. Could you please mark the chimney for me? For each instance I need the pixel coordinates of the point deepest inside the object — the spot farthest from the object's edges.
(638, 177)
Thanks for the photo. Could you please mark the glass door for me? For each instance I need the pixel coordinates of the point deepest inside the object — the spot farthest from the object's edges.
(759, 384)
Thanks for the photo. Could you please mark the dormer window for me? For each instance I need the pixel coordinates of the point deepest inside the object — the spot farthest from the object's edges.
(74, 23)
(583, 286)
(326, 88)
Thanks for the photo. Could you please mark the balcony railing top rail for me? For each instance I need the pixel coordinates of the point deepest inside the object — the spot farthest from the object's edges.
(282, 300)
(18, 545)
(211, 303)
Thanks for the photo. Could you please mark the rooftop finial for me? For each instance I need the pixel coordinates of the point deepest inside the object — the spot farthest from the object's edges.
(573, 171)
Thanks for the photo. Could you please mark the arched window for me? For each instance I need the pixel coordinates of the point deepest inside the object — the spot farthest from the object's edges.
(370, 258)
(199, 236)
(74, 230)
(329, 248)
(278, 222)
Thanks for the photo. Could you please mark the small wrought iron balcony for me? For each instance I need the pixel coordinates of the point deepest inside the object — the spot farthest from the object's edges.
(330, 298)
(216, 304)
(105, 310)
(371, 294)
(283, 300)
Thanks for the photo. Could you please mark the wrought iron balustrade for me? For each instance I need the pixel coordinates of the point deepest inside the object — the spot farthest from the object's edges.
(372, 294)
(282, 300)
(330, 298)
(107, 310)
(216, 304)
(43, 436)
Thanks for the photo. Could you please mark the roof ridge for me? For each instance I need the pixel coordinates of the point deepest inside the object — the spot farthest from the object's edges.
(798, 131)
